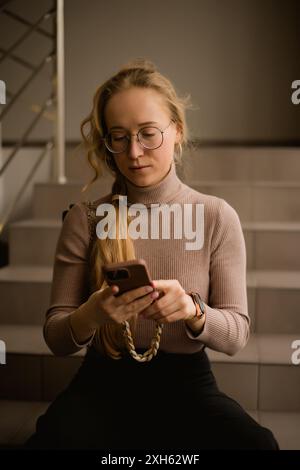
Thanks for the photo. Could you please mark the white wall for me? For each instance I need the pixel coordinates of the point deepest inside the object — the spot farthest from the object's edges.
(237, 58)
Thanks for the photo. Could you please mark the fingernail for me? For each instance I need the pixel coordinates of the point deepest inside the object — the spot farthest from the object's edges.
(154, 295)
(149, 289)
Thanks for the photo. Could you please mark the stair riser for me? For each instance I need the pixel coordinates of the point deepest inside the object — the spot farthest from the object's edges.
(253, 386)
(24, 302)
(50, 200)
(36, 377)
(268, 250)
(261, 387)
(232, 163)
(36, 246)
(276, 310)
(32, 246)
(258, 204)
(251, 203)
(243, 164)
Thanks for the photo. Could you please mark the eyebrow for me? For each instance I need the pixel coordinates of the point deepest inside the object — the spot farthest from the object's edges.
(141, 124)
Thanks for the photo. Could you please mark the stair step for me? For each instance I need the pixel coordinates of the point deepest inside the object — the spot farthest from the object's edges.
(274, 279)
(51, 199)
(222, 163)
(25, 293)
(24, 339)
(41, 237)
(269, 294)
(262, 240)
(257, 377)
(265, 239)
(291, 184)
(285, 426)
(253, 201)
(40, 274)
(261, 374)
(18, 421)
(243, 163)
(257, 201)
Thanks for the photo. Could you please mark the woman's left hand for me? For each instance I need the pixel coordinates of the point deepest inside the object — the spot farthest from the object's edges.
(174, 305)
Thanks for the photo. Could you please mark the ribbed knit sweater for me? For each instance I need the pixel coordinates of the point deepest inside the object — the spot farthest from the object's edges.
(217, 271)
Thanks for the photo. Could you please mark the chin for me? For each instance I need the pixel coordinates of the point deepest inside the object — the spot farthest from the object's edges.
(142, 181)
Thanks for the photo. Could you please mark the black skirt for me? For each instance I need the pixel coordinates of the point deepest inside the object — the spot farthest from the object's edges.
(171, 402)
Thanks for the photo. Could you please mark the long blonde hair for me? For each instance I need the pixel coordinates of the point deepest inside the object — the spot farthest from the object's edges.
(137, 73)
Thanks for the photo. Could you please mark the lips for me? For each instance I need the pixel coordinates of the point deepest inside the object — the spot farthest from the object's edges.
(138, 167)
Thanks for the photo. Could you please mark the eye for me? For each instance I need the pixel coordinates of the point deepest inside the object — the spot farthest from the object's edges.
(148, 132)
(118, 137)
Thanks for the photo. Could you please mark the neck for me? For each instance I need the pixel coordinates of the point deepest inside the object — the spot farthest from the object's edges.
(162, 192)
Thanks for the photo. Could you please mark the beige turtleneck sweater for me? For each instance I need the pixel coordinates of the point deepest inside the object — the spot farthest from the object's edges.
(217, 271)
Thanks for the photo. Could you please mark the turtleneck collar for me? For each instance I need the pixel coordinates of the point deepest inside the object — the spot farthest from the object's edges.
(163, 192)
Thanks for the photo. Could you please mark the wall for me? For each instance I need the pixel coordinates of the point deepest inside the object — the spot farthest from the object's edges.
(237, 59)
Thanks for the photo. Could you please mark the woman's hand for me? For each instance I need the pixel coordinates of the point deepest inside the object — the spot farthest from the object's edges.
(174, 305)
(107, 308)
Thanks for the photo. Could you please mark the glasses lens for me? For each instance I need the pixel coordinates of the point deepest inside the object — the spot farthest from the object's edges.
(116, 141)
(150, 137)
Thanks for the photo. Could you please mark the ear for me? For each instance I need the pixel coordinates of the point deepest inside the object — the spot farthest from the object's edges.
(178, 138)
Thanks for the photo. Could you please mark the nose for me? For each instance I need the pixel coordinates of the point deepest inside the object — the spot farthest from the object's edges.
(134, 149)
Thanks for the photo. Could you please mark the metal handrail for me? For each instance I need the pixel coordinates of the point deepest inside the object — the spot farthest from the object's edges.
(11, 207)
(57, 53)
(27, 23)
(18, 59)
(60, 122)
(47, 103)
(25, 85)
(4, 2)
(32, 28)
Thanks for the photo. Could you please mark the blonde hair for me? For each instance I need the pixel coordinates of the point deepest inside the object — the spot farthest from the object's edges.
(137, 73)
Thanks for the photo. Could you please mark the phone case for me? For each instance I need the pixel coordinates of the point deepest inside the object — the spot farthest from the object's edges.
(127, 275)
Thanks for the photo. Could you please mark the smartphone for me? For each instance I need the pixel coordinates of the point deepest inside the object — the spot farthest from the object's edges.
(127, 275)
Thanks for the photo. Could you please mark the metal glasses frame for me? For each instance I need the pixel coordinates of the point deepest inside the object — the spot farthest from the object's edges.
(128, 137)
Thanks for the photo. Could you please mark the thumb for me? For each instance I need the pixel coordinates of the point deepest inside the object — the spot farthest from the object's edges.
(159, 284)
(109, 290)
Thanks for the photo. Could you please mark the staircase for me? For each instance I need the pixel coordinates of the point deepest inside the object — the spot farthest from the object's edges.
(263, 185)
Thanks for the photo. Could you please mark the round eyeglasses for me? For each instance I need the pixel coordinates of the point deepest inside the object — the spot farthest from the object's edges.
(149, 137)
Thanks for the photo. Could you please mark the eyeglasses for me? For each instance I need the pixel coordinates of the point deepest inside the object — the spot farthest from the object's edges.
(150, 138)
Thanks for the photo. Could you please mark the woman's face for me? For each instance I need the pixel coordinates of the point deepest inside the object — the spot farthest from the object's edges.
(128, 110)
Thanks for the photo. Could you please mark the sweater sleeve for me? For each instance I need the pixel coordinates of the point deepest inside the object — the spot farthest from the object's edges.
(70, 286)
(227, 323)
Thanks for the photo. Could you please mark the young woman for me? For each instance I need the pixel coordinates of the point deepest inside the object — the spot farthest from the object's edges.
(146, 381)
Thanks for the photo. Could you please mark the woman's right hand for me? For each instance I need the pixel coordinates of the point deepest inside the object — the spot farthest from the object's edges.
(106, 308)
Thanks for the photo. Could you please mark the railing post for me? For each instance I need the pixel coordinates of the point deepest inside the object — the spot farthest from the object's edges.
(59, 163)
